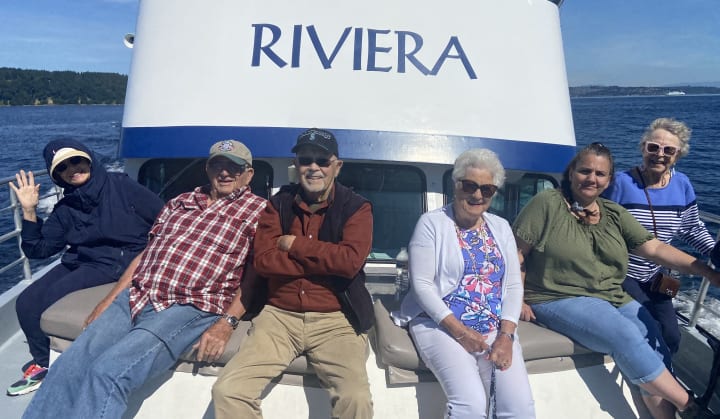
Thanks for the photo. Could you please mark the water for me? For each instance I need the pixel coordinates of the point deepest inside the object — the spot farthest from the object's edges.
(616, 122)
(24, 131)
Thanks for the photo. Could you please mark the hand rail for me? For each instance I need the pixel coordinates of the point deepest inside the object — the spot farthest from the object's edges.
(14, 206)
(699, 302)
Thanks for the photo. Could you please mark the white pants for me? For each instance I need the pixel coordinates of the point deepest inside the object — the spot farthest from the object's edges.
(465, 377)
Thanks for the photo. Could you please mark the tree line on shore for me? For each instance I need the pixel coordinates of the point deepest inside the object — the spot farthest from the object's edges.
(40, 87)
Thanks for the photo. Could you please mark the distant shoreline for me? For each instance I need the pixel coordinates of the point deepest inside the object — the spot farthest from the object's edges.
(622, 91)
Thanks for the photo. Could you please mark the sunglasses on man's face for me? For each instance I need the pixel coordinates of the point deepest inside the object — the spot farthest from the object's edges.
(64, 165)
(219, 166)
(487, 190)
(320, 161)
(654, 148)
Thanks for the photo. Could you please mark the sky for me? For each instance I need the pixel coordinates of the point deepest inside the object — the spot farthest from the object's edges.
(607, 42)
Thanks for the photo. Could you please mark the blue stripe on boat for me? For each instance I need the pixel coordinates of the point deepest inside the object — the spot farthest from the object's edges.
(264, 142)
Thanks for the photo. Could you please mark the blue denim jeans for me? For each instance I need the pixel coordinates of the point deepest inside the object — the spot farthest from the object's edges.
(115, 356)
(628, 333)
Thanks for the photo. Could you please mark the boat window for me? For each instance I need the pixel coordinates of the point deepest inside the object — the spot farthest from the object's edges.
(171, 177)
(512, 197)
(397, 194)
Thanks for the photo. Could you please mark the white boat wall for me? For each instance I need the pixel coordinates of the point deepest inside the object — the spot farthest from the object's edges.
(406, 86)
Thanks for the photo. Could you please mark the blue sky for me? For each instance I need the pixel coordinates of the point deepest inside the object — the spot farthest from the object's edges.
(621, 42)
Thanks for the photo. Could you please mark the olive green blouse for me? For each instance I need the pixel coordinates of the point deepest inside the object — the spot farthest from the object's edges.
(569, 258)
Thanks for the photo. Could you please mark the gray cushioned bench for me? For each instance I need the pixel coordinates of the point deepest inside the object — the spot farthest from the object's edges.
(543, 350)
(63, 322)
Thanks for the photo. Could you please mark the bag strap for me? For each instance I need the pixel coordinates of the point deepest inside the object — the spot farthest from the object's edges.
(647, 195)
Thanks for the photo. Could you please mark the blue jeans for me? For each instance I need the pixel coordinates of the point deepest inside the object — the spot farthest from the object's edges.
(628, 333)
(43, 293)
(115, 356)
(660, 306)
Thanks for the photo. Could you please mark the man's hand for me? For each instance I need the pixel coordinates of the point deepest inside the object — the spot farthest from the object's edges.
(212, 343)
(98, 310)
(285, 242)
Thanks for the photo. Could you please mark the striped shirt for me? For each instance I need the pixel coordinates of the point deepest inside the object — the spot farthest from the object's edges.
(676, 216)
(196, 253)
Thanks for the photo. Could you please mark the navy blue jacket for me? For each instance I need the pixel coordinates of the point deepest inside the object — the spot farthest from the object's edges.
(105, 222)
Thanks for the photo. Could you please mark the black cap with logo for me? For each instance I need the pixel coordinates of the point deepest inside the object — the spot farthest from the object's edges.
(319, 138)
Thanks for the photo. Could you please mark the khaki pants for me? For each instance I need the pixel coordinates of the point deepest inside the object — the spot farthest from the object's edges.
(277, 337)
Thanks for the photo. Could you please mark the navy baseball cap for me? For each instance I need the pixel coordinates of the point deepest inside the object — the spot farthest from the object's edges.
(319, 138)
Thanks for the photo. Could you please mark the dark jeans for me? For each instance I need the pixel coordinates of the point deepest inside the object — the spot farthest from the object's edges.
(41, 294)
(661, 308)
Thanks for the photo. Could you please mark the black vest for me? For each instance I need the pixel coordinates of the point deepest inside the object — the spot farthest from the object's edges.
(354, 298)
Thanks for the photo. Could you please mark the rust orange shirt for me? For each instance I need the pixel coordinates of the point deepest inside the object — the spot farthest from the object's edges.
(298, 279)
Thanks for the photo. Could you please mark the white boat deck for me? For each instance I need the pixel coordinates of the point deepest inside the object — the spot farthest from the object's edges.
(14, 354)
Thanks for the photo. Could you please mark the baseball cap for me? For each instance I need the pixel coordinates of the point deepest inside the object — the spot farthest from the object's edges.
(66, 153)
(233, 150)
(319, 138)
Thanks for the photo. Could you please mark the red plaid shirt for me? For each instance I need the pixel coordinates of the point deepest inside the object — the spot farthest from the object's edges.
(196, 253)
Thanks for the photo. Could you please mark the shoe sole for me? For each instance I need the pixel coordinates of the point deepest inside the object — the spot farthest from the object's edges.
(25, 391)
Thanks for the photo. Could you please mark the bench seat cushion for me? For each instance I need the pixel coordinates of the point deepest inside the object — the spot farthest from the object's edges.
(543, 350)
(63, 322)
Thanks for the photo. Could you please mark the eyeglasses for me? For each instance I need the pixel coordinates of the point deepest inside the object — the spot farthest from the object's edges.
(64, 165)
(487, 190)
(655, 148)
(219, 166)
(320, 161)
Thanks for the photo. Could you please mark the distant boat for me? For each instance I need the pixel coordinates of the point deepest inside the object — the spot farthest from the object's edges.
(675, 93)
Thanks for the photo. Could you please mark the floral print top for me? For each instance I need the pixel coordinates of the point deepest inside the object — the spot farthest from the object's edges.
(477, 300)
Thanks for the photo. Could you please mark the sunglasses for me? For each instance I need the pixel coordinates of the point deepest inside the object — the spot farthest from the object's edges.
(469, 187)
(219, 166)
(320, 161)
(64, 165)
(655, 148)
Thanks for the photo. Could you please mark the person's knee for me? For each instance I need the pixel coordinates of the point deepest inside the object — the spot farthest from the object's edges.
(222, 390)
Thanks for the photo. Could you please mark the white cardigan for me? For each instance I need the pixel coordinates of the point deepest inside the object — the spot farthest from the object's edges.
(436, 267)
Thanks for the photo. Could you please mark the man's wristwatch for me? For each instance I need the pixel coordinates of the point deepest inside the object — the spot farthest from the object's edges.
(232, 320)
(510, 335)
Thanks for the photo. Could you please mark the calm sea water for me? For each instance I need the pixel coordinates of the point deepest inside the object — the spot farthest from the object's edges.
(616, 122)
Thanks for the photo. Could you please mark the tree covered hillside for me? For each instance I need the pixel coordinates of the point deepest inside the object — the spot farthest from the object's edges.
(40, 87)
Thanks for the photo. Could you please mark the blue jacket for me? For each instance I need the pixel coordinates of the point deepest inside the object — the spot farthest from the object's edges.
(104, 222)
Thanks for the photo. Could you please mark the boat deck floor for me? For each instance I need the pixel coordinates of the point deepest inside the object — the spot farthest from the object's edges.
(693, 365)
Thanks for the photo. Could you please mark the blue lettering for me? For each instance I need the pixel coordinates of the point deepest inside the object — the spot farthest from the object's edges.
(326, 62)
(357, 53)
(410, 56)
(409, 45)
(267, 49)
(297, 38)
(373, 49)
(454, 42)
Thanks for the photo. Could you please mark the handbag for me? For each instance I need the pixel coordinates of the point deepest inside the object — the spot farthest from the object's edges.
(665, 284)
(661, 283)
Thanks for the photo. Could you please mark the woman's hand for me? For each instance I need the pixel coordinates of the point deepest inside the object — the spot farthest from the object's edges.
(472, 341)
(501, 351)
(28, 194)
(526, 313)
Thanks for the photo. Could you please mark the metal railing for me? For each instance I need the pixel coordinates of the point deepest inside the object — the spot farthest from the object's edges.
(16, 211)
(699, 302)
